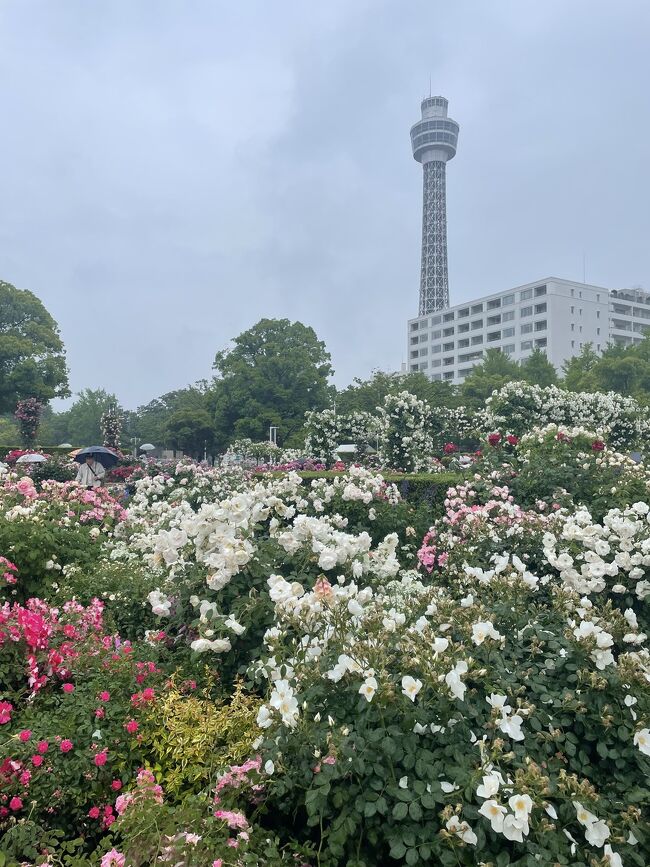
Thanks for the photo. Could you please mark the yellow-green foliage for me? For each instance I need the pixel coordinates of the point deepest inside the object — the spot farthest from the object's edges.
(191, 737)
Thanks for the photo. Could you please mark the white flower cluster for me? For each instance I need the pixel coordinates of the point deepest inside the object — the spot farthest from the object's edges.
(518, 407)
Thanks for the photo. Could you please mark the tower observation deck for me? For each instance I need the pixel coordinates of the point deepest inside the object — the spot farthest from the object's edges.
(434, 140)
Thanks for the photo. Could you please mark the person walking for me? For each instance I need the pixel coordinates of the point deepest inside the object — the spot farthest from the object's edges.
(90, 473)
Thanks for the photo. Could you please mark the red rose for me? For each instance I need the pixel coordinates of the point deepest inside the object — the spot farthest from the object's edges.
(512, 439)
(598, 445)
(494, 439)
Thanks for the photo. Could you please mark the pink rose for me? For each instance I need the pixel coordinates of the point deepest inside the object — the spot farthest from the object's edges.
(25, 735)
(15, 804)
(66, 745)
(100, 758)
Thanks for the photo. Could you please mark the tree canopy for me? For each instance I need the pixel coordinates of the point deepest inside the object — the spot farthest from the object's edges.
(365, 395)
(79, 425)
(32, 356)
(538, 370)
(495, 371)
(276, 371)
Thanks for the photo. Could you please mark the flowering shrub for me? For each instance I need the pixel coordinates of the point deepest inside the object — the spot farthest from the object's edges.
(111, 427)
(28, 414)
(450, 682)
(518, 407)
(404, 441)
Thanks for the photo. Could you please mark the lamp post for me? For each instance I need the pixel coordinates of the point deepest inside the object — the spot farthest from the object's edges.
(273, 441)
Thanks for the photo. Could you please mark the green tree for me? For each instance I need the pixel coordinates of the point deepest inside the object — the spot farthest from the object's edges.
(275, 372)
(79, 425)
(150, 422)
(32, 356)
(621, 369)
(493, 373)
(538, 370)
(366, 395)
(192, 431)
(579, 370)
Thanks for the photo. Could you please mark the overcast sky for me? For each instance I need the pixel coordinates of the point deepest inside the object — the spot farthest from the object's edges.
(171, 172)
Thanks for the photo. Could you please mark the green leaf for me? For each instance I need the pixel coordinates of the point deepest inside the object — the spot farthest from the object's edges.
(400, 810)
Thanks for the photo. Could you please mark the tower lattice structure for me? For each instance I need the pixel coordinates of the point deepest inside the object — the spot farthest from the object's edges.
(434, 140)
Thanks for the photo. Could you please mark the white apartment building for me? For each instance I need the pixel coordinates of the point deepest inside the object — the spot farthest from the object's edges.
(558, 316)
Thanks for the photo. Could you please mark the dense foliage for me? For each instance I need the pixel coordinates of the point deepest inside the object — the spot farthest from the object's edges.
(281, 667)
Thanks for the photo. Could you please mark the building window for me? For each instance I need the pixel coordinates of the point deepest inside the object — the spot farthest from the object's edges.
(572, 292)
(573, 328)
(580, 311)
(526, 329)
(540, 343)
(597, 297)
(597, 314)
(415, 326)
(414, 353)
(508, 316)
(414, 340)
(573, 344)
(424, 351)
(414, 367)
(581, 329)
(436, 348)
(539, 291)
(494, 335)
(494, 320)
(463, 343)
(477, 308)
(470, 356)
(541, 325)
(437, 334)
(477, 339)
(526, 294)
(449, 374)
(463, 327)
(424, 365)
(508, 332)
(509, 349)
(507, 299)
(494, 303)
(573, 309)
(448, 347)
(540, 308)
(478, 323)
(526, 311)
(448, 317)
(526, 344)
(448, 361)
(447, 332)
(424, 337)
(435, 362)
(598, 331)
(463, 313)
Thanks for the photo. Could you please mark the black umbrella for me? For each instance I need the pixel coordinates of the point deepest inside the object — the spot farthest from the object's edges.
(102, 455)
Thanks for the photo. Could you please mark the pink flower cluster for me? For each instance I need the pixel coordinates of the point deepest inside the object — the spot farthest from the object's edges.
(237, 776)
(146, 789)
(429, 555)
(10, 571)
(48, 637)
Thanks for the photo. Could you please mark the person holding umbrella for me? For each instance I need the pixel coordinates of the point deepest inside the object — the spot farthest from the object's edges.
(90, 473)
(93, 463)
